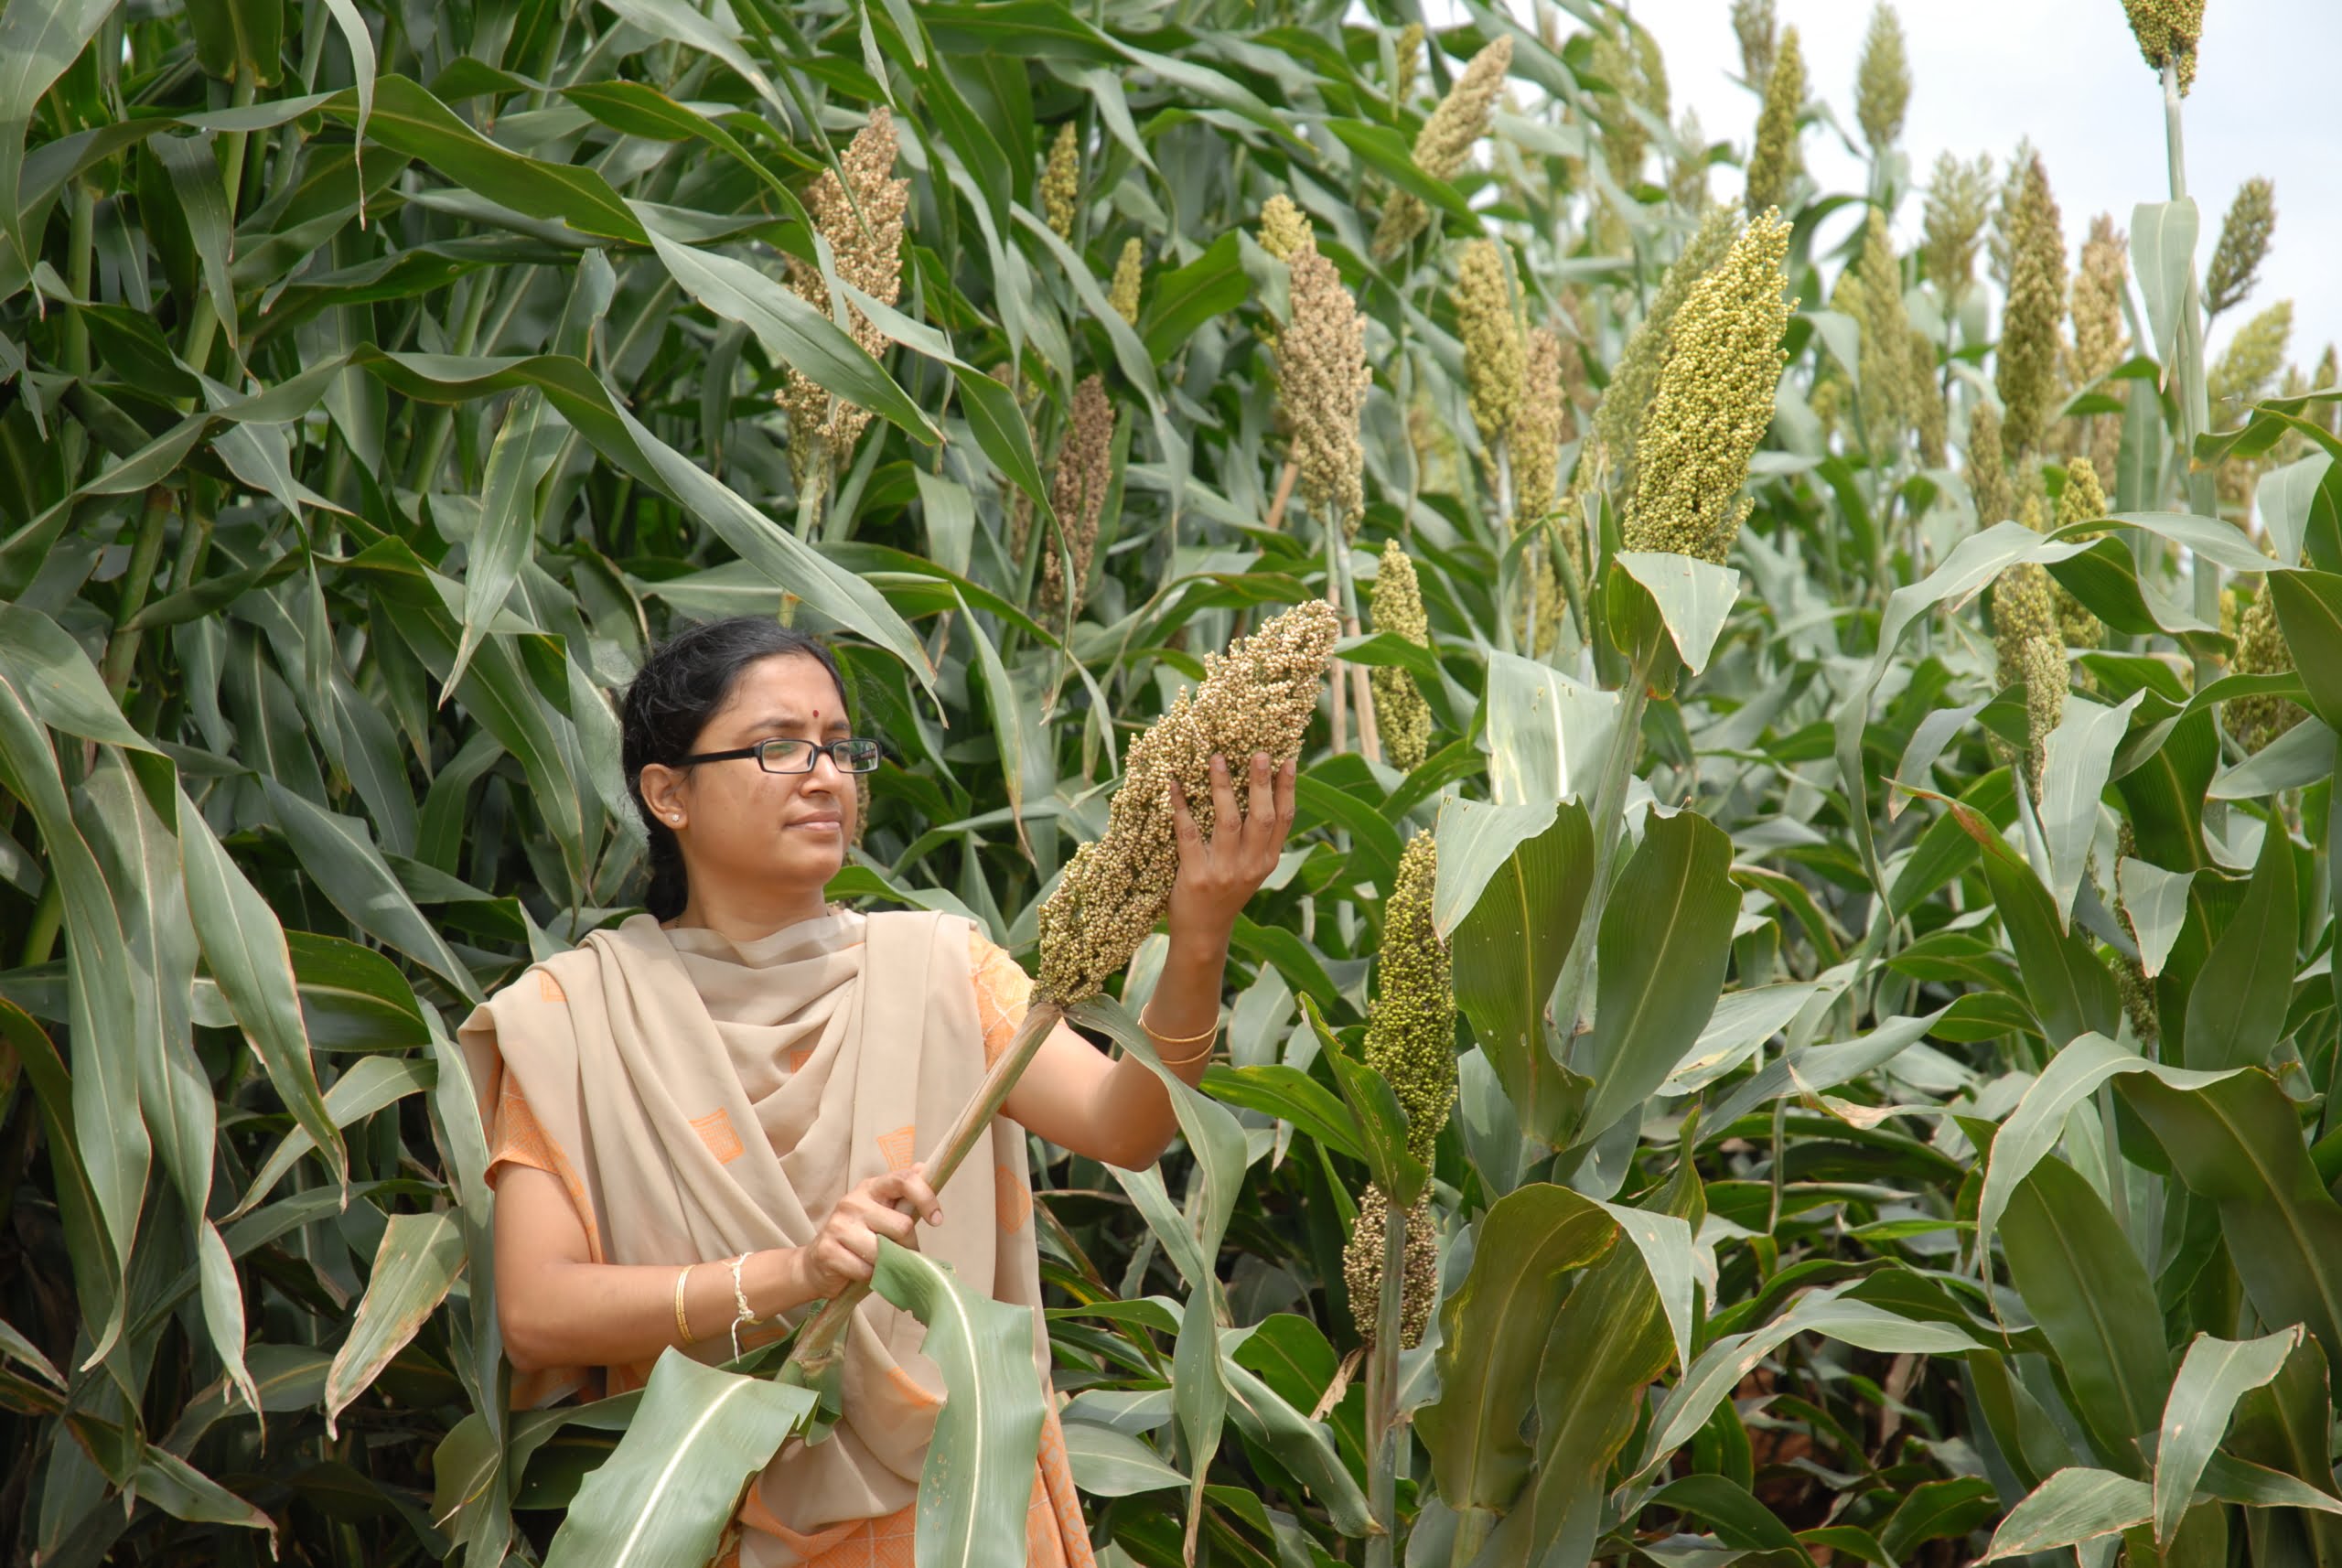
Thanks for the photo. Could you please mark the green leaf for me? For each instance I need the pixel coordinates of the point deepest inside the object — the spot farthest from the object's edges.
(2071, 991)
(2073, 1505)
(1666, 938)
(2213, 1375)
(1694, 599)
(1374, 1109)
(1511, 891)
(39, 40)
(339, 855)
(2077, 759)
(1110, 1463)
(976, 1482)
(2309, 612)
(2286, 496)
(2235, 1139)
(55, 677)
(670, 1486)
(2157, 902)
(1178, 303)
(2235, 1008)
(1303, 1446)
(1493, 1331)
(1290, 1095)
(372, 1084)
(524, 449)
(414, 1267)
(2162, 252)
(2087, 1289)
(1389, 153)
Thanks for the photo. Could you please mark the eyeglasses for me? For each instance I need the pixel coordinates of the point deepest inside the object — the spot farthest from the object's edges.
(787, 755)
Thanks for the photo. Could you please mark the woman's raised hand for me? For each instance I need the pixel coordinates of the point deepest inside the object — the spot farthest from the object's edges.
(846, 1249)
(1218, 875)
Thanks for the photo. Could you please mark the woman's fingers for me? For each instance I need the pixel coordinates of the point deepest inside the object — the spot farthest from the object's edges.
(1223, 800)
(1260, 815)
(1183, 826)
(908, 1191)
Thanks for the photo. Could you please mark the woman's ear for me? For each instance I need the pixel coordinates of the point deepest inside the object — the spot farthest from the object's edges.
(662, 793)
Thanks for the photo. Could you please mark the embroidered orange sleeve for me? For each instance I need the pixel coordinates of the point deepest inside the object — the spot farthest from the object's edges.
(1002, 990)
(515, 1138)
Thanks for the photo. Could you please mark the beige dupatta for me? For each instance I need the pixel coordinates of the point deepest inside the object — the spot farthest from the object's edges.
(714, 1098)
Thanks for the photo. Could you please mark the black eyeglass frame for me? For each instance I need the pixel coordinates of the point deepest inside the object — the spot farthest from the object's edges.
(836, 748)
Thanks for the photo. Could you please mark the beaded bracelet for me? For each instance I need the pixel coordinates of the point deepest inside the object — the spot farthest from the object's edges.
(740, 1305)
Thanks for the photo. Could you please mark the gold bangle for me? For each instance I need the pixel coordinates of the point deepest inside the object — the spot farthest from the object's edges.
(1160, 1037)
(1211, 1038)
(683, 1324)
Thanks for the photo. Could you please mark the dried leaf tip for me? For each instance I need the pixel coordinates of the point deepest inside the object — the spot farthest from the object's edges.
(1401, 713)
(1714, 401)
(1257, 696)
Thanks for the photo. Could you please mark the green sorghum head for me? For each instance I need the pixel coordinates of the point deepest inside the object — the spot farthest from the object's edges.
(1401, 714)
(1411, 1024)
(1626, 402)
(2245, 234)
(2261, 650)
(2167, 31)
(1774, 161)
(1419, 1267)
(1494, 356)
(1883, 81)
(2025, 372)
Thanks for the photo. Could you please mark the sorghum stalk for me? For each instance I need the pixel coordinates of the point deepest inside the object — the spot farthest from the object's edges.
(2167, 31)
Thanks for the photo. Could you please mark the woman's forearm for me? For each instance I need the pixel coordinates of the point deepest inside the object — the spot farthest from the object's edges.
(1185, 1004)
(562, 1314)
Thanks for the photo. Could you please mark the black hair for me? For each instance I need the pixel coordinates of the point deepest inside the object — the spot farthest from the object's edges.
(684, 683)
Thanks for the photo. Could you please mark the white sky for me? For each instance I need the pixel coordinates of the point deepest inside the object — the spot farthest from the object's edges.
(2068, 74)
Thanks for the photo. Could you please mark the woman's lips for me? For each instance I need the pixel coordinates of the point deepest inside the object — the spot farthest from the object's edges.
(818, 824)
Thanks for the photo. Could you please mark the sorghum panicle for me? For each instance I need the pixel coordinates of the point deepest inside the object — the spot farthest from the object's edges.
(2031, 653)
(1411, 1024)
(2082, 500)
(2261, 650)
(1753, 24)
(1774, 161)
(2242, 373)
(1446, 140)
(1687, 174)
(2167, 31)
(1061, 180)
(1490, 328)
(1886, 359)
(1401, 714)
(1883, 81)
(2026, 370)
(1988, 473)
(1626, 402)
(1534, 440)
(1929, 413)
(1323, 376)
(1124, 294)
(1714, 400)
(2245, 234)
(1959, 200)
(1419, 1276)
(1257, 696)
(1085, 467)
(1284, 228)
(864, 231)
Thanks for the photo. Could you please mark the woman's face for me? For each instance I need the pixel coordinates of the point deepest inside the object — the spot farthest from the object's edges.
(742, 826)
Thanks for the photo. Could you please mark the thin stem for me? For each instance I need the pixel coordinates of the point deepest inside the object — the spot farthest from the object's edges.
(122, 649)
(2195, 411)
(821, 1341)
(1383, 1393)
(1333, 598)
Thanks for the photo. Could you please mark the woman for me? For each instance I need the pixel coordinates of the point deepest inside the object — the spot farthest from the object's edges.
(705, 1119)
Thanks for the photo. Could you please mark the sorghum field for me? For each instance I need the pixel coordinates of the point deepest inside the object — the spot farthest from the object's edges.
(1809, 941)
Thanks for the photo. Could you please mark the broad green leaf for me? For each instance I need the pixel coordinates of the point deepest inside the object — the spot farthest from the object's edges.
(1110, 1463)
(340, 857)
(2071, 1506)
(1493, 1332)
(2087, 1289)
(1178, 303)
(1511, 889)
(525, 446)
(2286, 495)
(55, 677)
(2301, 757)
(2213, 1375)
(2309, 613)
(666, 1493)
(2071, 991)
(2162, 252)
(372, 1084)
(39, 40)
(975, 1485)
(1303, 1446)
(2234, 1138)
(2077, 759)
(2157, 902)
(2283, 1426)
(1290, 1095)
(1666, 938)
(1694, 597)
(414, 1267)
(1547, 733)
(2236, 1007)
(180, 1489)
(115, 1145)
